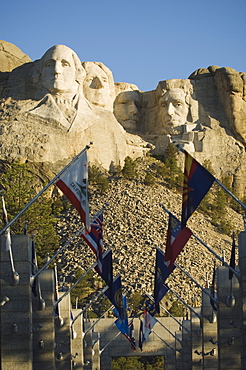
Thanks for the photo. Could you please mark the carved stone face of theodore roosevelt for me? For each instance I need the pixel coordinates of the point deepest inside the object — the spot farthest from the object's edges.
(126, 109)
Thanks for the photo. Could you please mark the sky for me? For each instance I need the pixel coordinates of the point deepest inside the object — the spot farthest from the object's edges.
(140, 41)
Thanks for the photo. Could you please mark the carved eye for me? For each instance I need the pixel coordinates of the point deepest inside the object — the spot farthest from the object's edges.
(178, 104)
(65, 63)
(48, 64)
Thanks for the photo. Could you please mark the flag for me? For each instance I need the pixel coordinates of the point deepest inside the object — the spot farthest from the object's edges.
(115, 296)
(57, 305)
(162, 272)
(124, 327)
(107, 269)
(148, 323)
(141, 336)
(232, 260)
(73, 332)
(74, 185)
(149, 305)
(7, 231)
(131, 335)
(34, 271)
(176, 240)
(95, 238)
(214, 290)
(197, 182)
(25, 228)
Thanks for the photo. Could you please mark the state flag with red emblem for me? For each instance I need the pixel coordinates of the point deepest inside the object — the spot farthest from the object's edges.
(176, 240)
(74, 185)
(95, 239)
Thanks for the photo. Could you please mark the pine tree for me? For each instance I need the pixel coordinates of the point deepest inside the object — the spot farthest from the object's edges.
(19, 186)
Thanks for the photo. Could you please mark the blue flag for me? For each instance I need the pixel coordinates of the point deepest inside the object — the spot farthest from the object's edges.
(197, 182)
(116, 296)
(161, 274)
(149, 306)
(107, 269)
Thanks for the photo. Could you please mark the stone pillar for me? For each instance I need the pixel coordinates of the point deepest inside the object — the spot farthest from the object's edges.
(77, 340)
(87, 347)
(242, 268)
(96, 352)
(209, 337)
(229, 323)
(196, 340)
(186, 344)
(44, 324)
(178, 353)
(63, 336)
(169, 361)
(16, 314)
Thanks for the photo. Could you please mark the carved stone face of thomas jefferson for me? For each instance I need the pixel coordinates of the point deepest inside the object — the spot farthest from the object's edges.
(98, 85)
(174, 109)
(58, 74)
(126, 109)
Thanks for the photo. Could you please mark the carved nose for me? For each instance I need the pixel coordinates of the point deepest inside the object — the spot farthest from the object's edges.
(170, 109)
(133, 108)
(57, 68)
(96, 83)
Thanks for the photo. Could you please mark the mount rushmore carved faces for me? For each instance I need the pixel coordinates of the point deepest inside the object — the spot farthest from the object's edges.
(173, 109)
(60, 76)
(126, 109)
(99, 85)
(61, 72)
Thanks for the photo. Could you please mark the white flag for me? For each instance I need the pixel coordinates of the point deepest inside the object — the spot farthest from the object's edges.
(148, 323)
(74, 185)
(7, 232)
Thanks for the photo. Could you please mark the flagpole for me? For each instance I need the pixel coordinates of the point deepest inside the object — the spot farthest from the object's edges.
(74, 285)
(168, 331)
(91, 301)
(186, 304)
(45, 188)
(199, 286)
(65, 245)
(15, 275)
(237, 274)
(105, 331)
(109, 342)
(173, 349)
(152, 299)
(216, 180)
(80, 278)
(92, 326)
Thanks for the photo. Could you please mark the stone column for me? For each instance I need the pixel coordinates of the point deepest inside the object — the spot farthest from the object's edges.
(87, 347)
(229, 323)
(77, 340)
(16, 314)
(178, 353)
(44, 324)
(63, 336)
(209, 337)
(242, 268)
(96, 352)
(186, 344)
(196, 340)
